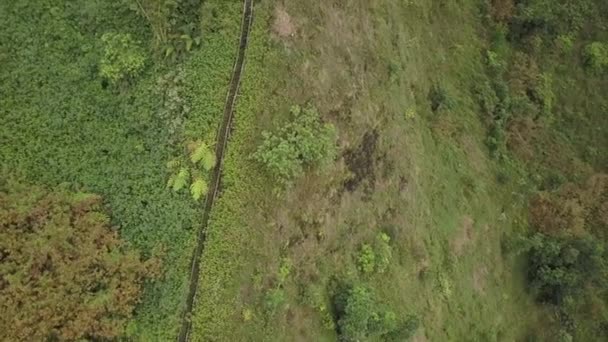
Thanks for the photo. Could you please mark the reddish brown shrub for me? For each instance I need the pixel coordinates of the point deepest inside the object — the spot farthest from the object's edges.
(503, 10)
(573, 210)
(64, 273)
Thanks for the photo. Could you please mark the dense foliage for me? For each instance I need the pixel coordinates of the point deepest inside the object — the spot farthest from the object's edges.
(560, 268)
(122, 57)
(174, 23)
(361, 317)
(596, 56)
(303, 142)
(61, 122)
(64, 273)
(567, 257)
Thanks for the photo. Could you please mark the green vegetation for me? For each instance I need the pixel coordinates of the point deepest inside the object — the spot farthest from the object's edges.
(62, 123)
(377, 257)
(174, 23)
(65, 273)
(387, 177)
(303, 142)
(360, 318)
(194, 171)
(122, 57)
(596, 56)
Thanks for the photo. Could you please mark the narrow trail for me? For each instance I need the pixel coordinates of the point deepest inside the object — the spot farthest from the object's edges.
(222, 140)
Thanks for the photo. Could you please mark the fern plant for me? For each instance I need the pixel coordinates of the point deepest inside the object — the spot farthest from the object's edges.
(192, 170)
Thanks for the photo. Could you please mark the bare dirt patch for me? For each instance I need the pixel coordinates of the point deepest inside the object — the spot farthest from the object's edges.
(361, 161)
(464, 236)
(283, 25)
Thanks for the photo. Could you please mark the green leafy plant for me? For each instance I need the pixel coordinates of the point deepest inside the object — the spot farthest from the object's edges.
(384, 252)
(544, 92)
(303, 142)
(596, 57)
(376, 257)
(284, 271)
(122, 58)
(198, 188)
(275, 297)
(193, 171)
(366, 259)
(565, 43)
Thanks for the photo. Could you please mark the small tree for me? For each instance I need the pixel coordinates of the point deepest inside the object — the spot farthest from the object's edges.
(562, 267)
(64, 273)
(304, 142)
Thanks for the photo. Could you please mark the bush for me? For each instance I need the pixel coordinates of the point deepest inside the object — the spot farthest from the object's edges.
(361, 317)
(565, 43)
(554, 16)
(561, 267)
(596, 57)
(366, 259)
(304, 142)
(376, 257)
(122, 58)
(64, 273)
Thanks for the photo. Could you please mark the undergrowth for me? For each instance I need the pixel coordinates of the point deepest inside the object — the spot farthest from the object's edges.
(112, 134)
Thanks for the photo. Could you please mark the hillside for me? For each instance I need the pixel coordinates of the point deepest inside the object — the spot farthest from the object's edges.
(376, 171)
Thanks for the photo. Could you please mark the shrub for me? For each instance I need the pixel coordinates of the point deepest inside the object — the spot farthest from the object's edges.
(565, 43)
(503, 10)
(362, 317)
(122, 58)
(376, 257)
(284, 271)
(304, 142)
(562, 267)
(544, 93)
(596, 57)
(366, 259)
(64, 273)
(555, 16)
(405, 330)
(384, 252)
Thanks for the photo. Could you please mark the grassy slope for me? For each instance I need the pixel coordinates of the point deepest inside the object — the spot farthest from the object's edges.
(432, 187)
(60, 125)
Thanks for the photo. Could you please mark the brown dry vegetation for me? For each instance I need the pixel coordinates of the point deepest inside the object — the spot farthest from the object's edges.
(65, 274)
